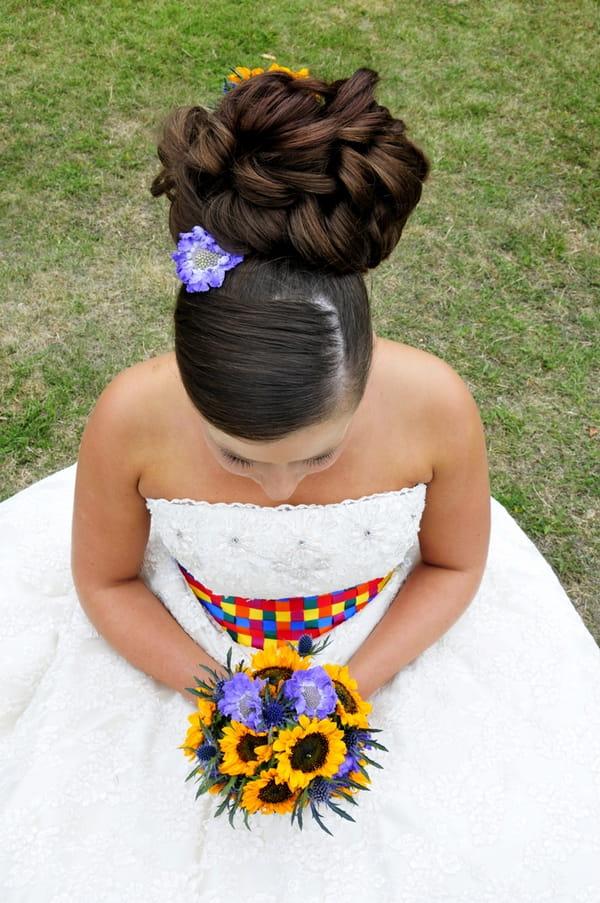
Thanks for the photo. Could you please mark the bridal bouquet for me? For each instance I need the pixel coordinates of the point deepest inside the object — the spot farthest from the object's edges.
(281, 736)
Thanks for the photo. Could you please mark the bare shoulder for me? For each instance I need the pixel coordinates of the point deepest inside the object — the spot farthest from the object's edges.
(130, 412)
(433, 403)
(142, 382)
(136, 393)
(421, 384)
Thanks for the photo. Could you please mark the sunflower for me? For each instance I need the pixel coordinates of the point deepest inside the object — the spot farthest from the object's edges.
(194, 737)
(313, 749)
(268, 793)
(242, 73)
(243, 749)
(277, 664)
(206, 711)
(352, 710)
(357, 777)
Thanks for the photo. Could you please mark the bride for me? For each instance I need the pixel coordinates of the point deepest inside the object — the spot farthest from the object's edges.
(283, 450)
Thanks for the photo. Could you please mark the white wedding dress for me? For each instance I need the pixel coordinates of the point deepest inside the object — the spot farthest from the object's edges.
(490, 790)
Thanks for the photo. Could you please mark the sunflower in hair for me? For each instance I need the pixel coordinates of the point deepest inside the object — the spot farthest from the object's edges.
(242, 73)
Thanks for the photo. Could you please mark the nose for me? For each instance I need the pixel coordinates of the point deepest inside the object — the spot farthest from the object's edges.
(279, 485)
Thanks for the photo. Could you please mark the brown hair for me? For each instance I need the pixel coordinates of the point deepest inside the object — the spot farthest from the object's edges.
(313, 183)
(275, 348)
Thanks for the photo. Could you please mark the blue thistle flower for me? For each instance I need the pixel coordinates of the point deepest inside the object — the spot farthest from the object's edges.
(274, 715)
(218, 690)
(319, 790)
(206, 752)
(355, 739)
(305, 644)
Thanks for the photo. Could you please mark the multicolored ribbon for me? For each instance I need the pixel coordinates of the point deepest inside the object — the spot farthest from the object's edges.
(264, 623)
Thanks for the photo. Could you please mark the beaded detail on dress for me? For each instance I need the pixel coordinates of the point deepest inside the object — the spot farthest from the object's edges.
(309, 546)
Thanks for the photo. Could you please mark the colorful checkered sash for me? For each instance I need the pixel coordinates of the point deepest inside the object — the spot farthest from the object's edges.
(264, 623)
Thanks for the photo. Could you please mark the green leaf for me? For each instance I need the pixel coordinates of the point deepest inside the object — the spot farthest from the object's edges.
(339, 811)
(319, 820)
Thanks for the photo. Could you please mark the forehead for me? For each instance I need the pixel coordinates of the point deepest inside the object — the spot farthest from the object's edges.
(302, 444)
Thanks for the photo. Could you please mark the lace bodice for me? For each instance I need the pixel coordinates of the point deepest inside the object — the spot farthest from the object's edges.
(247, 550)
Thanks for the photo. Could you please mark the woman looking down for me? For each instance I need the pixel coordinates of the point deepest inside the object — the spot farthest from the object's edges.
(284, 452)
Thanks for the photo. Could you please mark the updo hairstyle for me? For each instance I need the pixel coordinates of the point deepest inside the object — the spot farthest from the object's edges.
(313, 183)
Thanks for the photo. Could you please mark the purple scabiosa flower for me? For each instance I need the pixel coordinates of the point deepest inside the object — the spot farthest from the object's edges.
(350, 763)
(312, 693)
(201, 263)
(241, 700)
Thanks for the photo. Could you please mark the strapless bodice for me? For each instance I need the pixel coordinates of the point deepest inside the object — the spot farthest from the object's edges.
(272, 552)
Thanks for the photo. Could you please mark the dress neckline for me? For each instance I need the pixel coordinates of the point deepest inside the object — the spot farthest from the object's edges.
(198, 503)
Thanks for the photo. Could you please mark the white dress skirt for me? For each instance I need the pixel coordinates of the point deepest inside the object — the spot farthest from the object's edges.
(490, 790)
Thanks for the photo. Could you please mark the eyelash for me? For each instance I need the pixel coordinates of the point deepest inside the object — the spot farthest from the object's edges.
(233, 459)
(312, 462)
(321, 459)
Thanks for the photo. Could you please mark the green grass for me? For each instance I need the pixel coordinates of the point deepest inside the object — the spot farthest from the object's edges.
(497, 272)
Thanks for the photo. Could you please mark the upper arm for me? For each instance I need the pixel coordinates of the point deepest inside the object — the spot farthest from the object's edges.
(456, 521)
(110, 519)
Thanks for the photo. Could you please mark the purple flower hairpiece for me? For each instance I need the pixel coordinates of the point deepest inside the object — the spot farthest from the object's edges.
(201, 263)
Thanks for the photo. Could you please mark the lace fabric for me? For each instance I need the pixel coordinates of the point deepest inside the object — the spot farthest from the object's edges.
(490, 791)
(307, 549)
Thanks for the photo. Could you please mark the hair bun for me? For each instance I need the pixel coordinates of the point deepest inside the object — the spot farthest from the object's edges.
(296, 168)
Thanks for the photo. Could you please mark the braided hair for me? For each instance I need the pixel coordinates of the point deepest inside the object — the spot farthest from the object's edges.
(313, 183)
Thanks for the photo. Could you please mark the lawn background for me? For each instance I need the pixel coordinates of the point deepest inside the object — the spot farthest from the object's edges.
(497, 271)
